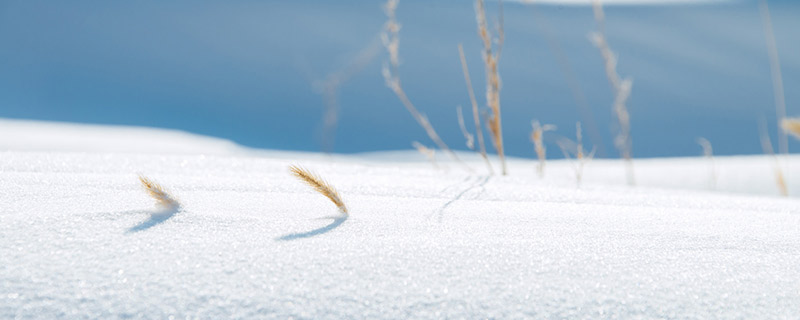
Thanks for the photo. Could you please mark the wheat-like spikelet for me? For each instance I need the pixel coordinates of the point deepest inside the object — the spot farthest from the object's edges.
(490, 59)
(157, 192)
(319, 185)
(791, 125)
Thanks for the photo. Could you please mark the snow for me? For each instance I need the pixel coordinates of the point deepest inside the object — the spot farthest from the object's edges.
(79, 238)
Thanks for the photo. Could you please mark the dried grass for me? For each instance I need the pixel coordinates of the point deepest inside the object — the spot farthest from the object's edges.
(581, 158)
(766, 145)
(775, 71)
(467, 136)
(792, 126)
(536, 137)
(319, 185)
(475, 113)
(157, 192)
(621, 89)
(493, 84)
(391, 42)
(429, 153)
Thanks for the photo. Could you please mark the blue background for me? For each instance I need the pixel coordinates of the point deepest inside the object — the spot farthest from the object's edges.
(249, 71)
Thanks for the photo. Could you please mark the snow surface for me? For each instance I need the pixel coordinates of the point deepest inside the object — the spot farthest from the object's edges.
(78, 237)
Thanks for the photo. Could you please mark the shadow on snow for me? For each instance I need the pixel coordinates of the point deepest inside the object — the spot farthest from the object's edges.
(155, 219)
(337, 221)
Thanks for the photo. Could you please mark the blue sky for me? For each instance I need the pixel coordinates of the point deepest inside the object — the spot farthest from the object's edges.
(245, 70)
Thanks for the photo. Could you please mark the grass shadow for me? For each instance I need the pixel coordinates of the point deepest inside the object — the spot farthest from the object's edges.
(337, 221)
(155, 219)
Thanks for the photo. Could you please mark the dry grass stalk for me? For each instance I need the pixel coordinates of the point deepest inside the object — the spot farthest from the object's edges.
(157, 192)
(792, 126)
(475, 113)
(468, 136)
(766, 144)
(581, 158)
(391, 41)
(319, 185)
(536, 138)
(775, 71)
(490, 60)
(621, 89)
(427, 152)
(582, 105)
(708, 152)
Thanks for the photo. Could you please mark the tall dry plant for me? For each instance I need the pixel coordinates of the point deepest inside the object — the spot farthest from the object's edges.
(391, 40)
(163, 199)
(537, 135)
(766, 145)
(621, 89)
(493, 84)
(319, 185)
(581, 158)
(775, 71)
(475, 114)
(708, 152)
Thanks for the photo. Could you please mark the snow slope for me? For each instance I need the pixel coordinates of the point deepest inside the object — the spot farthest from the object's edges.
(77, 240)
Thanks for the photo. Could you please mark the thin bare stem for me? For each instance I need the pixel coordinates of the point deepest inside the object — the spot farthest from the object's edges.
(467, 136)
(582, 105)
(475, 113)
(766, 144)
(775, 71)
(391, 41)
(581, 159)
(329, 88)
(621, 89)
